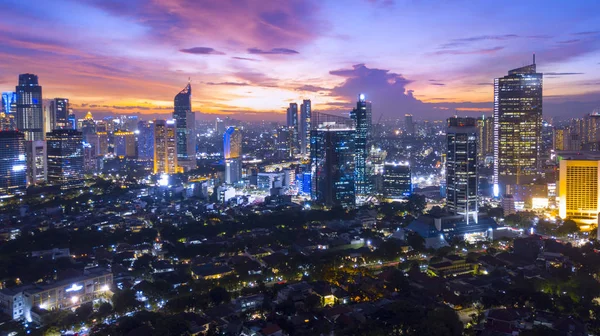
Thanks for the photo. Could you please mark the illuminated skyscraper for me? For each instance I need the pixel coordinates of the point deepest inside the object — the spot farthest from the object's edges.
(397, 182)
(37, 161)
(485, 146)
(12, 162)
(145, 140)
(185, 121)
(305, 112)
(285, 148)
(8, 111)
(88, 125)
(292, 123)
(232, 153)
(65, 158)
(125, 145)
(517, 126)
(461, 167)
(30, 114)
(578, 187)
(361, 116)
(59, 114)
(165, 147)
(332, 160)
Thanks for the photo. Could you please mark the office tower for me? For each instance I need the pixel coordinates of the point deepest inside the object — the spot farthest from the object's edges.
(558, 141)
(185, 123)
(361, 116)
(332, 160)
(219, 126)
(305, 112)
(88, 125)
(72, 120)
(65, 158)
(131, 123)
(517, 126)
(232, 152)
(90, 158)
(8, 111)
(125, 145)
(102, 142)
(284, 146)
(59, 114)
(30, 114)
(485, 145)
(37, 161)
(12, 162)
(292, 123)
(397, 181)
(578, 192)
(165, 147)
(145, 140)
(461, 167)
(409, 125)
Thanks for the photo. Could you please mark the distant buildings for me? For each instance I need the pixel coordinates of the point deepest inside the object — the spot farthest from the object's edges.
(65, 158)
(332, 160)
(361, 116)
(517, 126)
(578, 189)
(232, 153)
(305, 113)
(12, 162)
(461, 168)
(397, 182)
(165, 147)
(29, 112)
(185, 123)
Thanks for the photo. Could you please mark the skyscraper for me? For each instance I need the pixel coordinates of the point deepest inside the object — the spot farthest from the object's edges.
(485, 146)
(145, 140)
(125, 145)
(578, 187)
(185, 121)
(397, 182)
(88, 125)
(9, 102)
(409, 125)
(305, 112)
(517, 126)
(292, 123)
(332, 160)
(461, 167)
(65, 158)
(284, 146)
(59, 114)
(12, 162)
(361, 116)
(165, 147)
(30, 114)
(37, 161)
(232, 152)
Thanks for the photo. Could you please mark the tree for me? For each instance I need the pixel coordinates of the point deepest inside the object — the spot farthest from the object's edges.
(124, 301)
(415, 241)
(568, 227)
(219, 295)
(416, 204)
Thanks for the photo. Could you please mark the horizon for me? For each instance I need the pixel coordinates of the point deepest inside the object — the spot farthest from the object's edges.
(114, 58)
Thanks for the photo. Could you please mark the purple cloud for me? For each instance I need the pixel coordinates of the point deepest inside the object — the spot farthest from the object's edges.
(228, 83)
(202, 51)
(569, 41)
(245, 59)
(274, 51)
(562, 73)
(470, 52)
(311, 88)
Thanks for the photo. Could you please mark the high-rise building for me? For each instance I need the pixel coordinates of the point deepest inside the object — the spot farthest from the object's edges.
(409, 125)
(12, 162)
(145, 140)
(219, 126)
(8, 111)
(284, 146)
(65, 158)
(292, 123)
(125, 145)
(461, 168)
(397, 181)
(485, 145)
(37, 161)
(517, 126)
(89, 126)
(558, 141)
(30, 114)
(232, 153)
(59, 114)
(185, 123)
(102, 142)
(165, 147)
(361, 116)
(578, 190)
(332, 160)
(305, 112)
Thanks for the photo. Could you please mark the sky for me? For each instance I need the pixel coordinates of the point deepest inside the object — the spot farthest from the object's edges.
(249, 59)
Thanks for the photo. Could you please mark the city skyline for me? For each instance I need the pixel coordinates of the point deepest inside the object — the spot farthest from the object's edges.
(126, 58)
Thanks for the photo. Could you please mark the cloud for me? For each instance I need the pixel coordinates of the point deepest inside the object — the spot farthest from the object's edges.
(470, 52)
(569, 41)
(484, 84)
(586, 33)
(563, 73)
(438, 84)
(464, 41)
(274, 51)
(245, 59)
(256, 78)
(228, 83)
(311, 88)
(202, 51)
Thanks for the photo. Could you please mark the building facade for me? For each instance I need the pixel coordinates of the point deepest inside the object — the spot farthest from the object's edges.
(185, 121)
(292, 123)
(461, 168)
(37, 161)
(362, 116)
(30, 113)
(578, 191)
(232, 153)
(59, 114)
(125, 145)
(305, 112)
(12, 162)
(165, 147)
(517, 126)
(65, 158)
(397, 180)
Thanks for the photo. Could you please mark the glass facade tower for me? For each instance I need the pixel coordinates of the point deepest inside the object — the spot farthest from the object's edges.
(305, 112)
(30, 114)
(232, 152)
(12, 162)
(185, 120)
(65, 158)
(361, 116)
